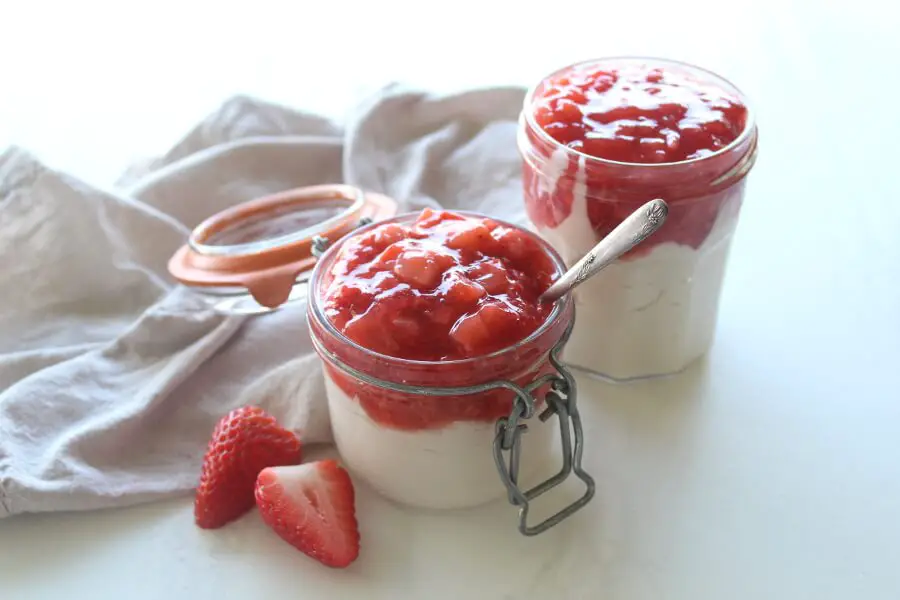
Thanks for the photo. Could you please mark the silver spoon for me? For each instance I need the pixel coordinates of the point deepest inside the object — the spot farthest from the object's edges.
(628, 234)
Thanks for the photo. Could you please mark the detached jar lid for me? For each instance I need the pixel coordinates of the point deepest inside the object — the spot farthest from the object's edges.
(257, 256)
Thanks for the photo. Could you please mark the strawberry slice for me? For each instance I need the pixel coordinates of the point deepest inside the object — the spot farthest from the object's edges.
(244, 442)
(312, 508)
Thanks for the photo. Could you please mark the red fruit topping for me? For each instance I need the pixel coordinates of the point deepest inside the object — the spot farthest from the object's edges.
(446, 287)
(637, 114)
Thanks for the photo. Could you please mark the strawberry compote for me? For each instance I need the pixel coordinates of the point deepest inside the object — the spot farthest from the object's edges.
(438, 299)
(637, 114)
(601, 138)
(446, 287)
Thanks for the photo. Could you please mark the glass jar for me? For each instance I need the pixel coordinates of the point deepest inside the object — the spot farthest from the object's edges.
(653, 312)
(434, 434)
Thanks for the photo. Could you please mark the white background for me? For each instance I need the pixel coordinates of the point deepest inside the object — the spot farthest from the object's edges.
(771, 470)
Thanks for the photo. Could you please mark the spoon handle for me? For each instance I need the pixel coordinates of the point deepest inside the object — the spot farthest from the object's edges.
(628, 234)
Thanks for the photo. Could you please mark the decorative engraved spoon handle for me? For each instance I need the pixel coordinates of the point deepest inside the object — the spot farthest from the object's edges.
(629, 233)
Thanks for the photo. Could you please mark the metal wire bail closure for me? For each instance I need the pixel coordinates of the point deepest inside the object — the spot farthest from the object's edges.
(562, 402)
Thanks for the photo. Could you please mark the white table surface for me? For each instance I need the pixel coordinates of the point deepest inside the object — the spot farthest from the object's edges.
(771, 470)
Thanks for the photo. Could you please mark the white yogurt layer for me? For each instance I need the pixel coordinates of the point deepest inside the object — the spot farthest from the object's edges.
(450, 467)
(647, 316)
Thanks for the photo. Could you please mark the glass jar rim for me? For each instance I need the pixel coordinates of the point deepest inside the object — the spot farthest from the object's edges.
(747, 132)
(315, 302)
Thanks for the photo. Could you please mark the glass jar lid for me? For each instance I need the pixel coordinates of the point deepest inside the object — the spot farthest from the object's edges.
(256, 256)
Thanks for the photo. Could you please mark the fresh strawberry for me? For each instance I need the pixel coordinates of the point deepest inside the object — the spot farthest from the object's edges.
(244, 442)
(312, 508)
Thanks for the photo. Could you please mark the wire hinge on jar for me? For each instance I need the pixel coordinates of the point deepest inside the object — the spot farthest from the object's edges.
(561, 401)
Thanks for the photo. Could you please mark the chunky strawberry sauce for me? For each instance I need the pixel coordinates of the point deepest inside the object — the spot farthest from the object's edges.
(444, 299)
(638, 114)
(650, 119)
(446, 287)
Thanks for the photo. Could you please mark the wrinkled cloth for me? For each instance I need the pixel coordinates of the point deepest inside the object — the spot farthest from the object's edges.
(112, 376)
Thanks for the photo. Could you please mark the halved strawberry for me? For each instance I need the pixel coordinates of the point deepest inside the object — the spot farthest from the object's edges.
(311, 507)
(244, 442)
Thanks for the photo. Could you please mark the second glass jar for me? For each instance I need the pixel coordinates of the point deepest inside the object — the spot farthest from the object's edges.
(654, 311)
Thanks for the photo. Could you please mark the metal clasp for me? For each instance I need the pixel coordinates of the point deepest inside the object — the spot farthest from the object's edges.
(320, 244)
(561, 401)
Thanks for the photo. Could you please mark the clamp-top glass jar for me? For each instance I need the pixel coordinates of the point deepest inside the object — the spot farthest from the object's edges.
(437, 430)
(603, 137)
(444, 386)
